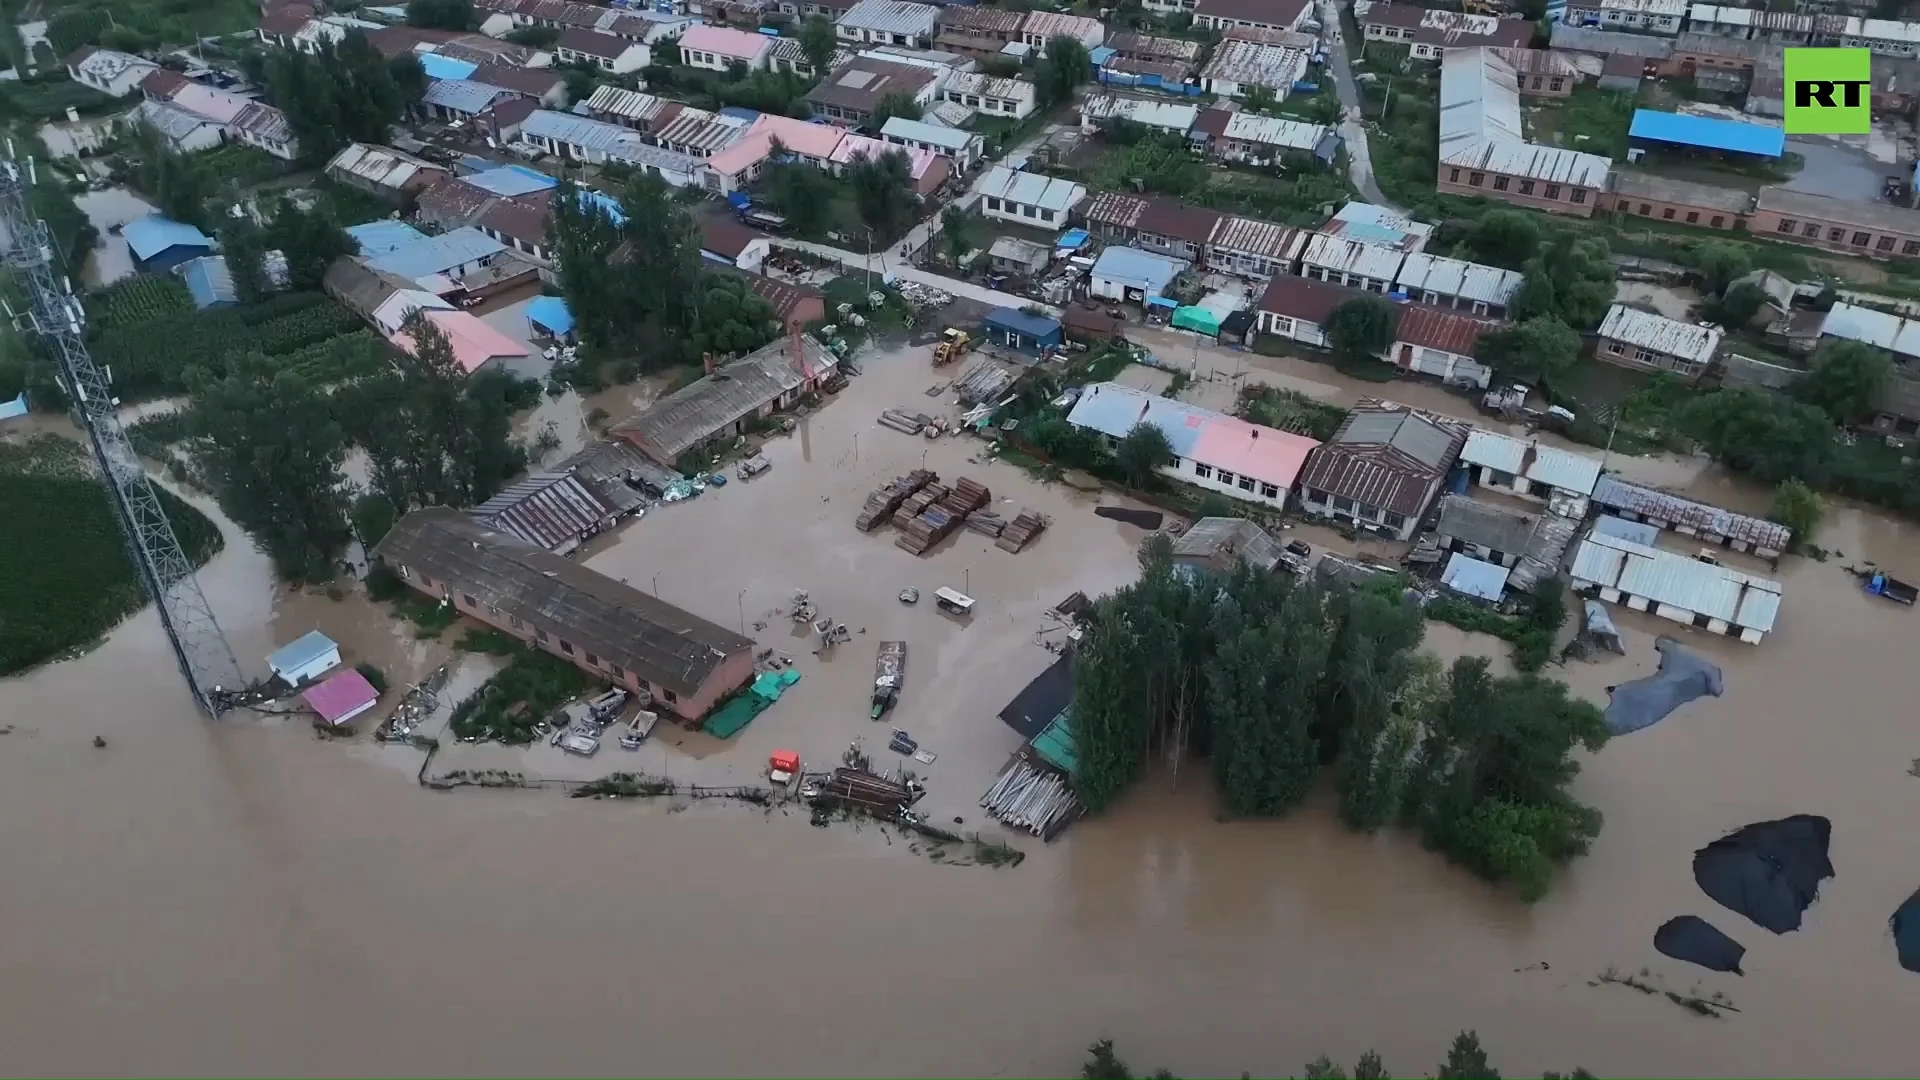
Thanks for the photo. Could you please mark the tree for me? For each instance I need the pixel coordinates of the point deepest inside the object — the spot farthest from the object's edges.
(409, 78)
(311, 241)
(820, 42)
(1798, 507)
(343, 92)
(180, 185)
(245, 248)
(1465, 1060)
(1571, 279)
(801, 192)
(1259, 99)
(1720, 264)
(1066, 65)
(579, 83)
(1848, 381)
(956, 232)
(897, 103)
(1737, 307)
(1142, 452)
(1542, 349)
(273, 454)
(1773, 438)
(883, 192)
(1359, 330)
(440, 14)
(1504, 238)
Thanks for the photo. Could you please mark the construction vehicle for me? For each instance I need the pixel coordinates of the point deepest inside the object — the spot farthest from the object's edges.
(952, 345)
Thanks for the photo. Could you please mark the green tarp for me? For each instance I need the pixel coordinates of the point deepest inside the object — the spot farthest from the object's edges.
(1197, 319)
(732, 718)
(1055, 743)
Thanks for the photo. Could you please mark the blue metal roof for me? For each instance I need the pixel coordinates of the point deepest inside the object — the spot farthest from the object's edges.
(1113, 409)
(1136, 269)
(444, 67)
(1708, 133)
(380, 237)
(153, 234)
(1473, 577)
(302, 651)
(437, 254)
(511, 180)
(551, 314)
(209, 281)
(738, 113)
(1033, 326)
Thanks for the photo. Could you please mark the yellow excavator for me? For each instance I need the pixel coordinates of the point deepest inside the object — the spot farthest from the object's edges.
(951, 346)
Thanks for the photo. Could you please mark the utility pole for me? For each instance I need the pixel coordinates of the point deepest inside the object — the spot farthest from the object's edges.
(54, 313)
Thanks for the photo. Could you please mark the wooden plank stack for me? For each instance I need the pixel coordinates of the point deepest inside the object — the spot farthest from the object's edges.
(985, 522)
(910, 508)
(941, 517)
(884, 501)
(1021, 532)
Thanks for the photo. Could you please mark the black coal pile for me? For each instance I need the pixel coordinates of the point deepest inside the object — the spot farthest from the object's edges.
(1145, 519)
(1906, 933)
(1769, 871)
(1645, 702)
(1697, 941)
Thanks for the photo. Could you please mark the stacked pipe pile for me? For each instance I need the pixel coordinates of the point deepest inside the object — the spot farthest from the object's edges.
(938, 520)
(1037, 800)
(876, 795)
(911, 506)
(910, 423)
(984, 381)
(985, 522)
(885, 500)
(1021, 532)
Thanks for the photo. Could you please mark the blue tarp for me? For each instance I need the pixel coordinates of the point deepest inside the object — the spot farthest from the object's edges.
(509, 181)
(1072, 238)
(380, 237)
(1473, 577)
(1708, 133)
(550, 313)
(153, 234)
(444, 67)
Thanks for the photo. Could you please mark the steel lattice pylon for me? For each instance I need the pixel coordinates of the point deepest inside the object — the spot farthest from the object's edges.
(207, 661)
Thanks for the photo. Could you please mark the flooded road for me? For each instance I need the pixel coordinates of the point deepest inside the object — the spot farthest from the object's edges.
(241, 897)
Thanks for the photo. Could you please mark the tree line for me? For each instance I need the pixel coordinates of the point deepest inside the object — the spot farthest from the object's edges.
(343, 92)
(1466, 1060)
(1275, 681)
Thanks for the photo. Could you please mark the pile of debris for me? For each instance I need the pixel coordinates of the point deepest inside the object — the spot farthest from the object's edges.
(1021, 532)
(859, 789)
(1035, 799)
(986, 523)
(884, 501)
(936, 521)
(919, 297)
(984, 381)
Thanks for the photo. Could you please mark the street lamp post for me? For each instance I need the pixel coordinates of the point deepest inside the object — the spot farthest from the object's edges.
(741, 602)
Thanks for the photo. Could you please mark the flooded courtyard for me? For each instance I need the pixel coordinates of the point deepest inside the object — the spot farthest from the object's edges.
(243, 897)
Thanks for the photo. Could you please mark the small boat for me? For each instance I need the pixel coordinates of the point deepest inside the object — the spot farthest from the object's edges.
(1879, 584)
(638, 729)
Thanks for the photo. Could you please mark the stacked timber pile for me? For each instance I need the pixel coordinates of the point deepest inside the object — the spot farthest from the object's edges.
(885, 500)
(876, 795)
(1021, 532)
(938, 520)
(911, 506)
(985, 522)
(903, 421)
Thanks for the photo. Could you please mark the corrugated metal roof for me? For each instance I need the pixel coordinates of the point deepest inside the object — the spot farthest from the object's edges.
(1619, 495)
(153, 234)
(1136, 269)
(698, 132)
(174, 123)
(932, 134)
(612, 140)
(1660, 334)
(1378, 225)
(1385, 456)
(1536, 542)
(1030, 189)
(1114, 410)
(706, 406)
(1472, 577)
(511, 180)
(380, 237)
(1352, 256)
(301, 651)
(1709, 132)
(1547, 465)
(1438, 328)
(549, 510)
(1869, 326)
(892, 17)
(1152, 47)
(1247, 236)
(1480, 125)
(208, 281)
(1047, 25)
(437, 254)
(1250, 63)
(1669, 578)
(379, 165)
(976, 82)
(1273, 131)
(629, 104)
(1426, 273)
(1636, 532)
(461, 95)
(1160, 114)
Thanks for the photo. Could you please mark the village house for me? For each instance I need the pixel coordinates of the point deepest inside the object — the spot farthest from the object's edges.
(717, 48)
(1152, 223)
(992, 95)
(1240, 67)
(1254, 139)
(1361, 265)
(610, 630)
(1455, 283)
(731, 399)
(1430, 34)
(475, 346)
(1529, 469)
(1247, 248)
(628, 108)
(1025, 198)
(556, 511)
(1481, 149)
(1130, 275)
(1155, 49)
(1884, 37)
(182, 132)
(977, 31)
(1529, 546)
(724, 240)
(1676, 587)
(1220, 544)
(1042, 27)
(1212, 451)
(1632, 338)
(1650, 16)
(1541, 73)
(1382, 469)
(1874, 229)
(851, 92)
(1377, 225)
(1642, 194)
(577, 138)
(1257, 14)
(1296, 308)
(1441, 343)
(266, 128)
(925, 168)
(113, 73)
(889, 22)
(384, 171)
(1097, 110)
(796, 306)
(963, 148)
(591, 48)
(1738, 532)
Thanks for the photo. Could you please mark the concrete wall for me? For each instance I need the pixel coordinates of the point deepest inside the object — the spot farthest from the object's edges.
(1519, 190)
(1682, 213)
(1852, 239)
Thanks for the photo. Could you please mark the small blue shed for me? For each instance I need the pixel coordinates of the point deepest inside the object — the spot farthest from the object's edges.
(1015, 329)
(549, 315)
(159, 243)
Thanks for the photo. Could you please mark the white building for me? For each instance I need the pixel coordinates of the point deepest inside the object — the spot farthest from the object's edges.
(1716, 598)
(963, 147)
(1441, 343)
(1262, 140)
(1211, 451)
(1526, 468)
(992, 95)
(1239, 67)
(718, 48)
(184, 132)
(1350, 262)
(1738, 532)
(1455, 283)
(591, 48)
(1129, 275)
(108, 71)
(577, 138)
(889, 22)
(306, 658)
(1097, 109)
(1041, 27)
(1634, 338)
(1657, 16)
(1027, 198)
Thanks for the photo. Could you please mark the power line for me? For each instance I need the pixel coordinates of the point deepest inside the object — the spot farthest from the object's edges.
(54, 313)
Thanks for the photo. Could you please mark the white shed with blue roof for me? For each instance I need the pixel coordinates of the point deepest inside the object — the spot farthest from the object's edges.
(306, 658)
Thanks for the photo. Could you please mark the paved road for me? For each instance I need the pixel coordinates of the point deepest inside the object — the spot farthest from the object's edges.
(1352, 131)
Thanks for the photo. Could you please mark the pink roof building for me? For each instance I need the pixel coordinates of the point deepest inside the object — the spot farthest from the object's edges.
(1262, 454)
(815, 141)
(475, 344)
(342, 697)
(929, 170)
(717, 46)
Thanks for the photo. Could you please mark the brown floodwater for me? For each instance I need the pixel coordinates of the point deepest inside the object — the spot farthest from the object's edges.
(241, 897)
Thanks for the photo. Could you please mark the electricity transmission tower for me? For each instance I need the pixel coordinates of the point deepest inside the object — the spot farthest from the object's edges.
(54, 313)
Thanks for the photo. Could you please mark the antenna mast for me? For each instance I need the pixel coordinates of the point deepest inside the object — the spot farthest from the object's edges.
(55, 314)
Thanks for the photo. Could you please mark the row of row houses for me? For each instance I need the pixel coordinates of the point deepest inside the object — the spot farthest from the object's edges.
(189, 116)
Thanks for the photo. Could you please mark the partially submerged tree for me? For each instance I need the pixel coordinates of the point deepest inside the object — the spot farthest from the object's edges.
(1799, 508)
(1848, 381)
(883, 191)
(1540, 349)
(1360, 329)
(1141, 454)
(1065, 66)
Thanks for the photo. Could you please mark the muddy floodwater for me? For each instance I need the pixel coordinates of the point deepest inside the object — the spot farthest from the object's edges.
(240, 897)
